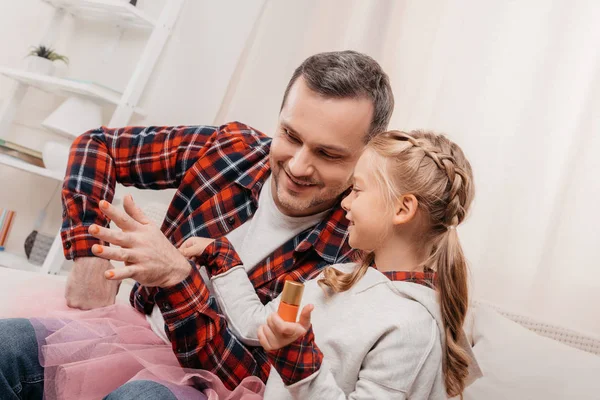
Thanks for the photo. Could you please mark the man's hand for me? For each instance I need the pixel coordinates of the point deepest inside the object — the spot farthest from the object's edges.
(86, 287)
(278, 333)
(148, 255)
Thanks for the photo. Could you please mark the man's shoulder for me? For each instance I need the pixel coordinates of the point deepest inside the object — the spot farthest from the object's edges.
(243, 132)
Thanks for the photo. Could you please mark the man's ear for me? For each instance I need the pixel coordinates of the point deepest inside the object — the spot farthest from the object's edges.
(405, 209)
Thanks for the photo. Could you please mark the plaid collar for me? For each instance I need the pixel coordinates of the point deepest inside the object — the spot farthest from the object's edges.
(254, 178)
(328, 237)
(422, 278)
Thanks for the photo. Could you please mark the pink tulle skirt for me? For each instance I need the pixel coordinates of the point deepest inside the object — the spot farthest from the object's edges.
(89, 354)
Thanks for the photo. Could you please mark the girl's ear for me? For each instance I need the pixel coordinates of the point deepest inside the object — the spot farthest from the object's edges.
(406, 209)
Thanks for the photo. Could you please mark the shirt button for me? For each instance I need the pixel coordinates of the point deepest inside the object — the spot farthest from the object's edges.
(139, 296)
(167, 307)
(64, 213)
(231, 220)
(68, 245)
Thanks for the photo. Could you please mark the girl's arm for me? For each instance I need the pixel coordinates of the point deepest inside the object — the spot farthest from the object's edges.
(233, 290)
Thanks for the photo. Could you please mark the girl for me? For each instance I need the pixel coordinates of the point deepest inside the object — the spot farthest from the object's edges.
(389, 326)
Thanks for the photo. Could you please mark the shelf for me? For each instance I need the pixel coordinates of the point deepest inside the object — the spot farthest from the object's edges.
(66, 87)
(25, 166)
(117, 12)
(15, 261)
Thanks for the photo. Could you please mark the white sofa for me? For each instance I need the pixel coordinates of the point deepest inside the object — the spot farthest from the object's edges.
(523, 358)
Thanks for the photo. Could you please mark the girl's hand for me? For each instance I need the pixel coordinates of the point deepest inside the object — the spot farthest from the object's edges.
(194, 246)
(278, 333)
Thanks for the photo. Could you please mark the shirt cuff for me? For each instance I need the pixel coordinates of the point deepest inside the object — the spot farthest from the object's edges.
(77, 242)
(298, 360)
(219, 257)
(183, 299)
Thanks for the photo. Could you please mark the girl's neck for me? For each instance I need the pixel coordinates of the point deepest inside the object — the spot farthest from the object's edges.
(397, 255)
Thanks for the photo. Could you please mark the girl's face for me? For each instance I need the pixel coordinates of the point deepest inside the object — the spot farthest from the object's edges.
(366, 209)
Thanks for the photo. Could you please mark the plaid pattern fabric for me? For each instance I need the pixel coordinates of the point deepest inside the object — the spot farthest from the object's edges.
(218, 257)
(302, 358)
(298, 360)
(427, 279)
(218, 174)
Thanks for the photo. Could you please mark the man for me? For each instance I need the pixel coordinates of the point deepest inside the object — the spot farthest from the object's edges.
(276, 200)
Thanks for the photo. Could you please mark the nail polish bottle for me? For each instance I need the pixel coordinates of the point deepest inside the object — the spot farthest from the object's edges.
(290, 300)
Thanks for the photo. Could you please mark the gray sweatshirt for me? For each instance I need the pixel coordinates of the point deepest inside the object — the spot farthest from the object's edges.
(380, 339)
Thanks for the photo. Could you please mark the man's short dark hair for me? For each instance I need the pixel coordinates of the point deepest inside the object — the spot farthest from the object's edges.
(349, 74)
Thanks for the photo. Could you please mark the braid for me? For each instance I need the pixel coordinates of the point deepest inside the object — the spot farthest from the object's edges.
(445, 161)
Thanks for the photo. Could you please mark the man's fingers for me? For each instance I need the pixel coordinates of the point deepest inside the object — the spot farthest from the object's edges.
(116, 237)
(123, 273)
(134, 211)
(119, 217)
(114, 253)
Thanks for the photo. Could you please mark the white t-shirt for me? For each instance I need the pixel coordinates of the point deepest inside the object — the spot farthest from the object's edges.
(254, 240)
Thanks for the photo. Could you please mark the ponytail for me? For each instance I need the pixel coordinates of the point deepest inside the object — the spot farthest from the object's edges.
(448, 260)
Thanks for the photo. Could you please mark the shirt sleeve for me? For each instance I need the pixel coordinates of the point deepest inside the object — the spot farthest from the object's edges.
(298, 360)
(144, 157)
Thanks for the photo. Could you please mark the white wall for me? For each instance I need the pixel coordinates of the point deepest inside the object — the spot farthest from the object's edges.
(516, 84)
(186, 87)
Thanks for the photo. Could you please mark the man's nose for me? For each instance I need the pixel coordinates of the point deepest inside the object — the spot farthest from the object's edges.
(301, 164)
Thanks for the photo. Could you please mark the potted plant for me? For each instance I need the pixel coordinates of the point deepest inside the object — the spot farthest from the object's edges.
(42, 59)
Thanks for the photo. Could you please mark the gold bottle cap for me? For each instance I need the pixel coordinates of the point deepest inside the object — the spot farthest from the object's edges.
(292, 293)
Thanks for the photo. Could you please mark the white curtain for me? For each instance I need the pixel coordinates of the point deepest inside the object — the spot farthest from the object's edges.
(515, 83)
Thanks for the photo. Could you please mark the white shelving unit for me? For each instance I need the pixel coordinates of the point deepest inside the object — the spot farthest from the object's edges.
(25, 166)
(65, 87)
(110, 11)
(114, 12)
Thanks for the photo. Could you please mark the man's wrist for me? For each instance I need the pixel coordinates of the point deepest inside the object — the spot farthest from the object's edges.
(179, 273)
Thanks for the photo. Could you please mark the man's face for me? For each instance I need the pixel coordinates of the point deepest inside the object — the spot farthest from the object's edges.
(315, 148)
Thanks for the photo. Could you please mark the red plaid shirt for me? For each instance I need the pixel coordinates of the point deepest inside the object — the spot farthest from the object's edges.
(218, 173)
(302, 358)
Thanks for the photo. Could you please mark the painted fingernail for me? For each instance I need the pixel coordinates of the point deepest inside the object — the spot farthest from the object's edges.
(110, 274)
(94, 229)
(103, 204)
(97, 249)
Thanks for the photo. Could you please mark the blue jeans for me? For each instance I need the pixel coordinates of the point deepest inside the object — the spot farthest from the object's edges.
(22, 376)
